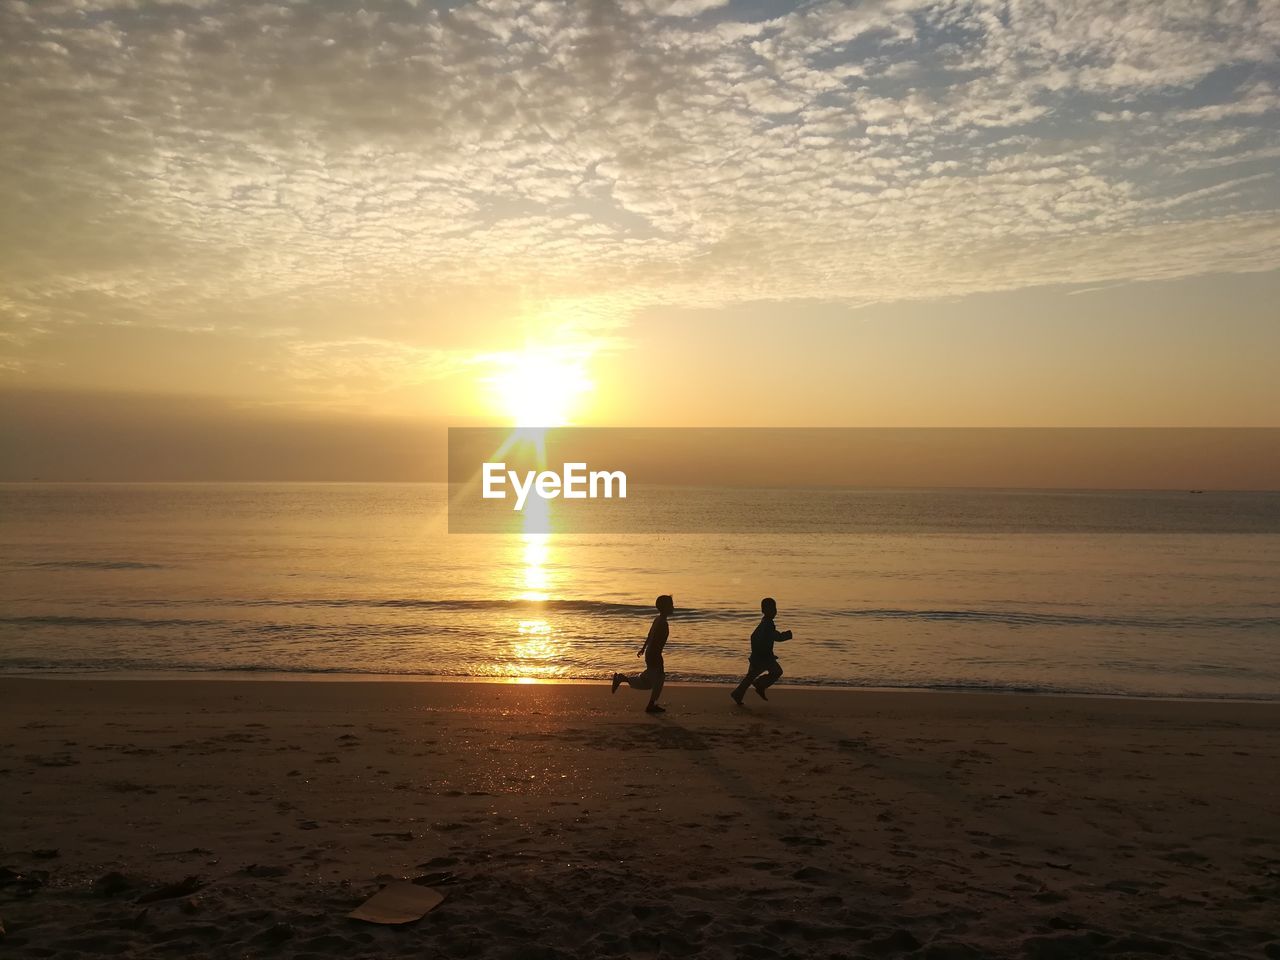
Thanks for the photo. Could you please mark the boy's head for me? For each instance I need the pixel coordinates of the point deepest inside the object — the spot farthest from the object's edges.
(769, 607)
(665, 604)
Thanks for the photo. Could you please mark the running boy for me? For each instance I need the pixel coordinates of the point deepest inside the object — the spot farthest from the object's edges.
(655, 673)
(764, 669)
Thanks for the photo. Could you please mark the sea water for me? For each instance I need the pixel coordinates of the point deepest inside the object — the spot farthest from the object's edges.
(365, 580)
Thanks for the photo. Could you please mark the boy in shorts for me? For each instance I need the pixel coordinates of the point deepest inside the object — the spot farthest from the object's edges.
(655, 672)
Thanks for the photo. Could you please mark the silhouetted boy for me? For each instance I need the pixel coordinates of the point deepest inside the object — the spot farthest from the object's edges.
(764, 668)
(655, 673)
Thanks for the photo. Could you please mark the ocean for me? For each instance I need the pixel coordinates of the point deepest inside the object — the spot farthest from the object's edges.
(364, 580)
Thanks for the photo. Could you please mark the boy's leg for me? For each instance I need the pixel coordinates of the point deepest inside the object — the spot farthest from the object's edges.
(658, 681)
(767, 681)
(641, 681)
(740, 690)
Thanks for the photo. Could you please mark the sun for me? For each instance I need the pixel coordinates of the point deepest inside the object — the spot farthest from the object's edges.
(540, 387)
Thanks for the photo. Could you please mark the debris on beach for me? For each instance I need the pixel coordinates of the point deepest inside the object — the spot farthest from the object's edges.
(438, 862)
(25, 883)
(265, 870)
(183, 888)
(277, 933)
(398, 903)
(110, 884)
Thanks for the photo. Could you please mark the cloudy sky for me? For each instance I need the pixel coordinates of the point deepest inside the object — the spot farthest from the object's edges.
(713, 212)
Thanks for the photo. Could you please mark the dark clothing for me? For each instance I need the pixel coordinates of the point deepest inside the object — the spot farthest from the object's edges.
(762, 641)
(655, 644)
(655, 671)
(658, 633)
(764, 669)
(653, 675)
(762, 674)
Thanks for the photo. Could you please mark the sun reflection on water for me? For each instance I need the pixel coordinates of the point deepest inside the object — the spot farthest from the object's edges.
(534, 653)
(535, 579)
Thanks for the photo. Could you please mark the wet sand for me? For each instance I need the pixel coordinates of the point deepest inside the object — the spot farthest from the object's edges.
(561, 821)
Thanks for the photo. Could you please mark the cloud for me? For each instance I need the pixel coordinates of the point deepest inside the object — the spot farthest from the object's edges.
(215, 162)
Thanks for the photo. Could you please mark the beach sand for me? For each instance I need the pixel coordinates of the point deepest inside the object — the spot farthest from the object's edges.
(819, 824)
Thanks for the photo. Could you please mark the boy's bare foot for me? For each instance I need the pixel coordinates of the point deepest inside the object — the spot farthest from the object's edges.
(617, 682)
(735, 698)
(760, 690)
(654, 708)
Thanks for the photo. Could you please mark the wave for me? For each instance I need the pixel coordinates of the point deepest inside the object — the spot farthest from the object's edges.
(91, 564)
(613, 609)
(595, 607)
(61, 620)
(1022, 618)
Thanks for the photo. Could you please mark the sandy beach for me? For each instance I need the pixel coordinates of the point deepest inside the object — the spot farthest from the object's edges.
(560, 821)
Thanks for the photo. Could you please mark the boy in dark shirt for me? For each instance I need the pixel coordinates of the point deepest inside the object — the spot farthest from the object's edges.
(764, 669)
(655, 673)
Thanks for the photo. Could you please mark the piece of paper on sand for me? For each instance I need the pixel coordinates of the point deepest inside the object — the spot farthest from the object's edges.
(399, 902)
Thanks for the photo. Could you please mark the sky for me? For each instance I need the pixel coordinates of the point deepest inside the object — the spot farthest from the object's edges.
(233, 226)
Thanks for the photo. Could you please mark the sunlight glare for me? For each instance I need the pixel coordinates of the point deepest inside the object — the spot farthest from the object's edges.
(540, 387)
